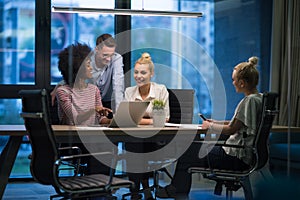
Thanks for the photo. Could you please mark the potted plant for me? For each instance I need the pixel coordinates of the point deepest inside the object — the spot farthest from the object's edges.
(159, 114)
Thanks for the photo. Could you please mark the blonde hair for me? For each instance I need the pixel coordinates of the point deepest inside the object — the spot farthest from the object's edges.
(248, 72)
(146, 59)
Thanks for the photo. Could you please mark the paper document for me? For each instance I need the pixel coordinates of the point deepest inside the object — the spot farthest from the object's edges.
(196, 126)
(93, 128)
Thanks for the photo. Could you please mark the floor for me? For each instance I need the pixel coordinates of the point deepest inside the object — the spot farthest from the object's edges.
(277, 188)
(201, 189)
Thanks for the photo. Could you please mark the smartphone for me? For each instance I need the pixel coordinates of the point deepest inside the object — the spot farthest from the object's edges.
(202, 116)
(110, 115)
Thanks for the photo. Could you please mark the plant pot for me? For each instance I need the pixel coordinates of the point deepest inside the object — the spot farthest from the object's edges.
(159, 118)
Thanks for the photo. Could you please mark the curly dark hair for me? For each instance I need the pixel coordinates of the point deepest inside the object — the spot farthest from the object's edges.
(70, 59)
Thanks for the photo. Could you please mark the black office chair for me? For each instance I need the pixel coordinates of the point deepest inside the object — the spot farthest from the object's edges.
(46, 161)
(53, 110)
(181, 103)
(234, 180)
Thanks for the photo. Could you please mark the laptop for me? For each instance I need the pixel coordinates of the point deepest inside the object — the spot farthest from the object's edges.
(129, 114)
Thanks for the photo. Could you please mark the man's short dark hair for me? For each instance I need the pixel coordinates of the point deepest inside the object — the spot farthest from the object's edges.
(105, 40)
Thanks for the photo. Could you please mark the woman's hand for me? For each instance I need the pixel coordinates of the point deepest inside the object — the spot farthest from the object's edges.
(103, 111)
(105, 120)
(206, 124)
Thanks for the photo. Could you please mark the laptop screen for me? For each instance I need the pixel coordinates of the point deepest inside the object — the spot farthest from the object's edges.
(129, 113)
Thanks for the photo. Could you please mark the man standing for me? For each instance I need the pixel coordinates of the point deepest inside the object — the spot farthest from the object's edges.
(108, 72)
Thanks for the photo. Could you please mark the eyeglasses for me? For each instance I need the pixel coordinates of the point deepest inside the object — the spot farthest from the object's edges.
(104, 55)
(107, 55)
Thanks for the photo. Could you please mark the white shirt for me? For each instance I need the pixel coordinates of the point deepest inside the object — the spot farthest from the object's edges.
(157, 91)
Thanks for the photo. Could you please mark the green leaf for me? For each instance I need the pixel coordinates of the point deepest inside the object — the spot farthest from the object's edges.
(158, 104)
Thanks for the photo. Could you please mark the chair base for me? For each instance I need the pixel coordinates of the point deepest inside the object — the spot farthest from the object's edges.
(155, 185)
(233, 186)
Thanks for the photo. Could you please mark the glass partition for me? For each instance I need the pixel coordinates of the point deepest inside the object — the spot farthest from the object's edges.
(67, 28)
(187, 52)
(201, 53)
(181, 48)
(17, 44)
(10, 111)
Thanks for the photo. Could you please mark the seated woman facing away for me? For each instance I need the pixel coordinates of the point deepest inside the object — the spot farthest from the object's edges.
(241, 130)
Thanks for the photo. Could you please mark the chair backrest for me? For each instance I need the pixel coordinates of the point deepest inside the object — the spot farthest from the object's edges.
(35, 112)
(181, 102)
(53, 110)
(262, 136)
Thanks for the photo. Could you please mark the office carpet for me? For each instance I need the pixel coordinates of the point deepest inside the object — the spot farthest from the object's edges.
(30, 191)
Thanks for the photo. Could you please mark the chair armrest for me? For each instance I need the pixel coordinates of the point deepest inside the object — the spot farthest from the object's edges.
(69, 150)
(75, 163)
(114, 156)
(80, 156)
(70, 157)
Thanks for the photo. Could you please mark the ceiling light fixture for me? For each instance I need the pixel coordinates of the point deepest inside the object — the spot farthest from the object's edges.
(126, 12)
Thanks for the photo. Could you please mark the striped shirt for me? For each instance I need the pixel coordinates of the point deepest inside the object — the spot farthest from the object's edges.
(77, 106)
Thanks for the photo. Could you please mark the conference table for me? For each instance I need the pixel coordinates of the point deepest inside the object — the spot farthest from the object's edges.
(64, 133)
(74, 134)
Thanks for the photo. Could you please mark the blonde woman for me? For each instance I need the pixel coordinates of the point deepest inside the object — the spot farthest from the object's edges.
(240, 129)
(145, 90)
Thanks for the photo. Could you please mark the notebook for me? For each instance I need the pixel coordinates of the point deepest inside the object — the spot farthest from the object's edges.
(129, 114)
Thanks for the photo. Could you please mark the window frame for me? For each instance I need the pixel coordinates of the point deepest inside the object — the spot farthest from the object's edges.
(122, 23)
(42, 53)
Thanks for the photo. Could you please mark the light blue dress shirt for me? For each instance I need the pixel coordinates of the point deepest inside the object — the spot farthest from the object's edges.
(110, 80)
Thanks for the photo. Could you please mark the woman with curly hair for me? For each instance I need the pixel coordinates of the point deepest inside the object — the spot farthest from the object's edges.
(79, 102)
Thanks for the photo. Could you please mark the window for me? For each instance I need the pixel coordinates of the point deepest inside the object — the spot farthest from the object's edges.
(185, 49)
(222, 35)
(66, 28)
(179, 47)
(17, 44)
